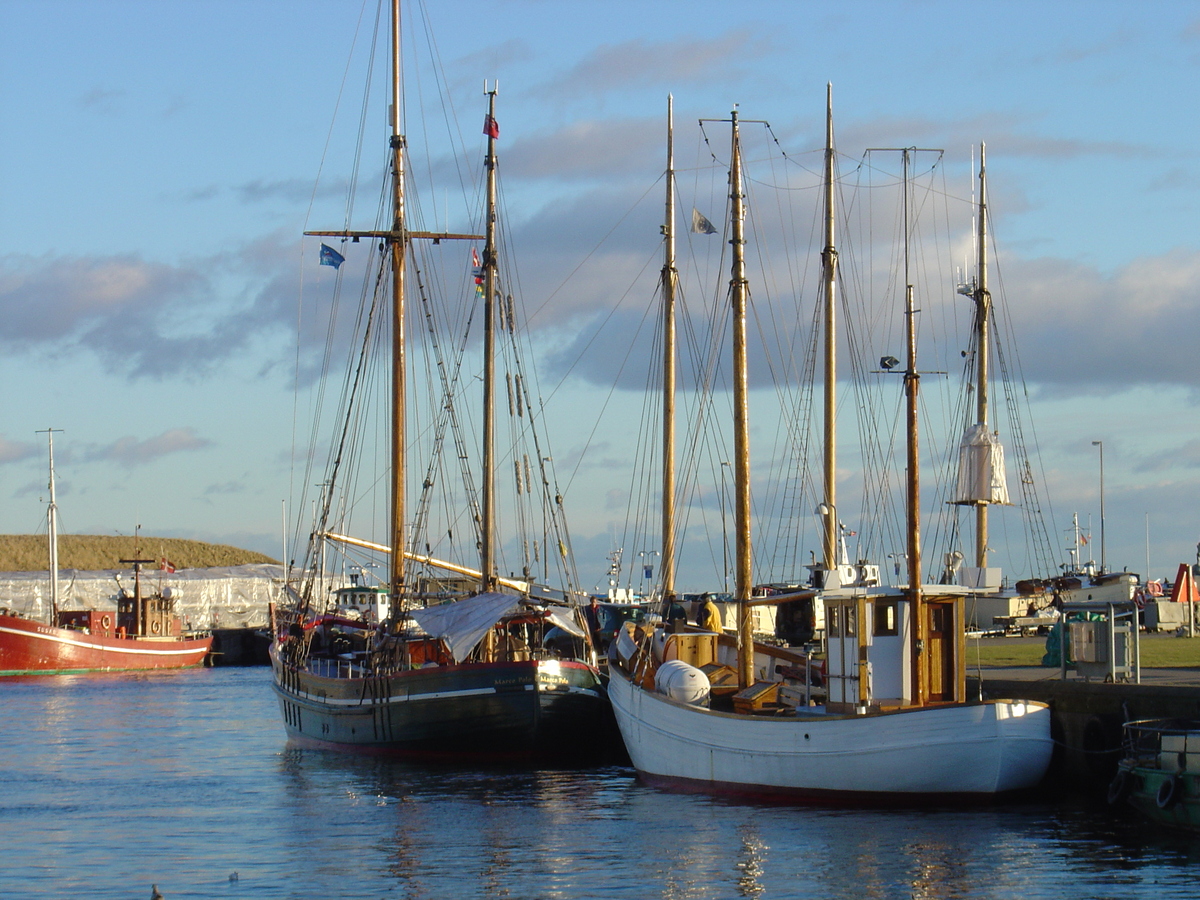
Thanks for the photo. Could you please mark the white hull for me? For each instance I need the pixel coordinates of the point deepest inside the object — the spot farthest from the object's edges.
(949, 751)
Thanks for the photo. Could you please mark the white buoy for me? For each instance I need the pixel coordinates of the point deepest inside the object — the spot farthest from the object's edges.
(682, 682)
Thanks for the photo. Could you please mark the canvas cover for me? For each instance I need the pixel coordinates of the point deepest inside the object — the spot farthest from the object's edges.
(981, 468)
(462, 623)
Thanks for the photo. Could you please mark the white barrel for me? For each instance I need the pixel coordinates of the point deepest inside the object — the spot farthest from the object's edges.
(682, 682)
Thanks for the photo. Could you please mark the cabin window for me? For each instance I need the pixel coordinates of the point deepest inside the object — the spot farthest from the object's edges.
(886, 619)
(851, 621)
(941, 618)
(834, 625)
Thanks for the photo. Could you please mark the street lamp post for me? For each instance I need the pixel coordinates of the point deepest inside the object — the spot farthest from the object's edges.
(1103, 561)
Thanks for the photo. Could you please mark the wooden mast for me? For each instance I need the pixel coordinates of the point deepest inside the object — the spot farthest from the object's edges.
(396, 243)
(983, 311)
(670, 279)
(396, 239)
(829, 260)
(487, 563)
(912, 381)
(741, 417)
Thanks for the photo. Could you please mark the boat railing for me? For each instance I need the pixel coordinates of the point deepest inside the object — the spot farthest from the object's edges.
(336, 667)
(1167, 744)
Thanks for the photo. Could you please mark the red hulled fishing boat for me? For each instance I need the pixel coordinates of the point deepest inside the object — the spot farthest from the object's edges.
(141, 632)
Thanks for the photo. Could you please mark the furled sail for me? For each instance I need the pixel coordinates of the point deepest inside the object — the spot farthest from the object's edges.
(981, 468)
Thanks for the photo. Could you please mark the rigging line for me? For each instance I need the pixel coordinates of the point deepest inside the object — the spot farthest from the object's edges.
(1019, 375)
(472, 174)
(450, 378)
(345, 400)
(517, 348)
(351, 193)
(307, 219)
(785, 438)
(570, 275)
(635, 531)
(536, 433)
(339, 451)
(322, 382)
(616, 380)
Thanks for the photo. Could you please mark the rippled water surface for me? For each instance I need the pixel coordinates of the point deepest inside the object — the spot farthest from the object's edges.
(111, 783)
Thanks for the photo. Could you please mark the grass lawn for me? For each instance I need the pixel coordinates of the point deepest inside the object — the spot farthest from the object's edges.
(1163, 651)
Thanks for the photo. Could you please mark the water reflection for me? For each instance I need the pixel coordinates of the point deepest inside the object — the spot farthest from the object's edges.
(537, 833)
(109, 784)
(750, 862)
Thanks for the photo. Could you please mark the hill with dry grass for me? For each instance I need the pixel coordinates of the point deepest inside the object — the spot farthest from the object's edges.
(28, 552)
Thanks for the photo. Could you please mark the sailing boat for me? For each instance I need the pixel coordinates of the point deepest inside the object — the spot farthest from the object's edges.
(143, 632)
(896, 726)
(374, 669)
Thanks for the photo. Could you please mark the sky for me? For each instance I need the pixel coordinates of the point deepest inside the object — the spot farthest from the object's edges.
(160, 161)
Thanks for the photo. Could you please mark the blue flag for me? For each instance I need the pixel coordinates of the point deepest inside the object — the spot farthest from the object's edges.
(330, 257)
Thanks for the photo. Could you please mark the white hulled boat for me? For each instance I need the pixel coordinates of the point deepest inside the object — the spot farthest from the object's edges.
(701, 711)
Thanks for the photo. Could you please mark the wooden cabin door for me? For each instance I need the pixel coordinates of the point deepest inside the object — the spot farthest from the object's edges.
(941, 648)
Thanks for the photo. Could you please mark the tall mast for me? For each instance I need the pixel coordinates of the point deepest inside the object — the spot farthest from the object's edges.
(396, 243)
(488, 513)
(912, 382)
(670, 278)
(52, 532)
(741, 417)
(396, 239)
(829, 261)
(983, 311)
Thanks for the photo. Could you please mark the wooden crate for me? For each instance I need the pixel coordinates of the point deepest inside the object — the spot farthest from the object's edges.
(722, 679)
(759, 696)
(696, 649)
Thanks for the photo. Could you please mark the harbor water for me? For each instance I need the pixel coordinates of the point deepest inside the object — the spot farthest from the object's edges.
(112, 783)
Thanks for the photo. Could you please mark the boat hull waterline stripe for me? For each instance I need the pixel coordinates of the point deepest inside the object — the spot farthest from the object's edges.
(104, 648)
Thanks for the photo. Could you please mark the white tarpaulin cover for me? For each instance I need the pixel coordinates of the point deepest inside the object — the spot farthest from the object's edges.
(217, 597)
(565, 621)
(462, 623)
(981, 468)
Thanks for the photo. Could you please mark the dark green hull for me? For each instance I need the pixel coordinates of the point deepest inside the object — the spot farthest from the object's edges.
(1177, 806)
(534, 710)
(1160, 774)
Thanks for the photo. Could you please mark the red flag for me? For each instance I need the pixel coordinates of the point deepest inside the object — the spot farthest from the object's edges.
(165, 565)
(491, 127)
(476, 269)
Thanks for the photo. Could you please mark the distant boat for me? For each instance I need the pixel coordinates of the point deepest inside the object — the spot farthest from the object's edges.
(142, 632)
(1160, 774)
(699, 712)
(401, 669)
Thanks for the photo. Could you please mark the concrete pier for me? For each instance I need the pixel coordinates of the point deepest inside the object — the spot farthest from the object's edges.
(1088, 715)
(238, 647)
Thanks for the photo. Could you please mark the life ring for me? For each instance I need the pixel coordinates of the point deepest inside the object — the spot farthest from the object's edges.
(1139, 598)
(105, 622)
(155, 627)
(1118, 788)
(1155, 588)
(1168, 793)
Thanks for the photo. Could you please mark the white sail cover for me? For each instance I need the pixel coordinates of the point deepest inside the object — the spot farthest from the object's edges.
(565, 622)
(981, 468)
(462, 623)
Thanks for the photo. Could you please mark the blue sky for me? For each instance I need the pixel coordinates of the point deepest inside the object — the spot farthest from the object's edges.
(159, 162)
